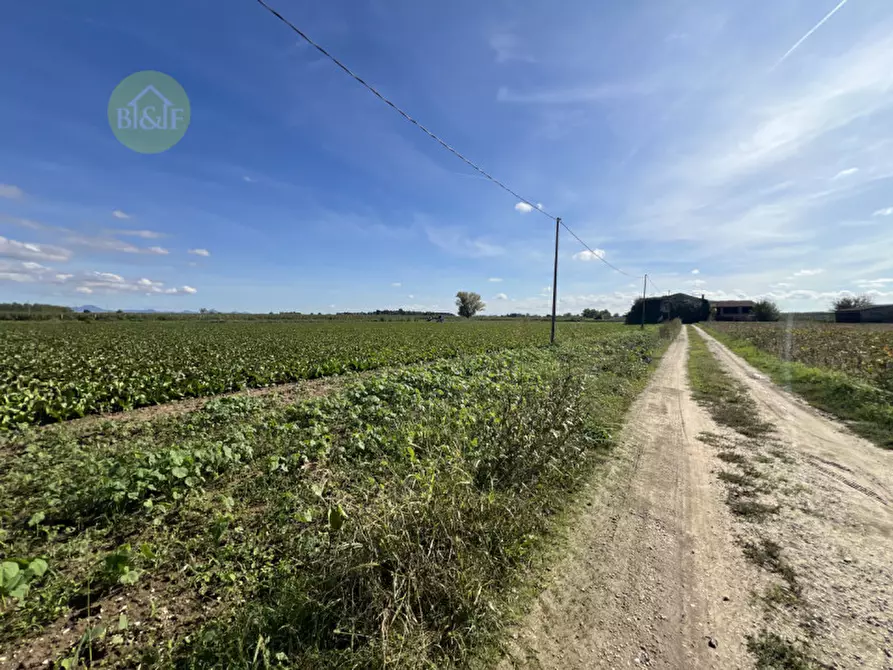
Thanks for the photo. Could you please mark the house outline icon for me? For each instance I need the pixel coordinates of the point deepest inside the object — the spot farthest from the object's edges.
(134, 103)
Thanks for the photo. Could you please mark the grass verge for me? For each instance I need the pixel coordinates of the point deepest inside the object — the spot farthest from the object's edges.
(393, 523)
(727, 401)
(867, 409)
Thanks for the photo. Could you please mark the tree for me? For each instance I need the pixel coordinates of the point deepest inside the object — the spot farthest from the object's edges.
(766, 310)
(591, 313)
(469, 303)
(852, 302)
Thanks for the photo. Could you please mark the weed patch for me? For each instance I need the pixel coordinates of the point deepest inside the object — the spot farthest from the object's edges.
(749, 509)
(727, 401)
(773, 652)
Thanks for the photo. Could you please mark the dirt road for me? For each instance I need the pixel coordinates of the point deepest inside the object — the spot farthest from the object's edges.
(656, 575)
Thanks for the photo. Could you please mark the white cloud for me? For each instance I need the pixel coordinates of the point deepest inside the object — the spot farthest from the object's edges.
(29, 251)
(587, 255)
(63, 277)
(696, 271)
(697, 283)
(781, 284)
(161, 251)
(887, 211)
(11, 192)
(500, 296)
(107, 277)
(118, 214)
(523, 207)
(84, 289)
(411, 296)
(189, 289)
(200, 252)
(396, 284)
(495, 279)
(248, 179)
(808, 273)
(145, 234)
(104, 244)
(846, 173)
(148, 282)
(881, 282)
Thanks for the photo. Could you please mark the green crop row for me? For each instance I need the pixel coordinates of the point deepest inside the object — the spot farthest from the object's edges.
(56, 371)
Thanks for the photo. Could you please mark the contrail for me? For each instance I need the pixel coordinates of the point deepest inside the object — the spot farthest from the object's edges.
(814, 28)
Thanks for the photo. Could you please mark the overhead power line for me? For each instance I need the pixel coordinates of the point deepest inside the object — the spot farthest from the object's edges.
(402, 113)
(440, 141)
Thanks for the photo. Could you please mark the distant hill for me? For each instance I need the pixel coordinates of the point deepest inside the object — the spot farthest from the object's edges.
(93, 309)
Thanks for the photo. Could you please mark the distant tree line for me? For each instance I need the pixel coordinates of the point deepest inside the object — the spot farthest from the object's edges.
(18, 311)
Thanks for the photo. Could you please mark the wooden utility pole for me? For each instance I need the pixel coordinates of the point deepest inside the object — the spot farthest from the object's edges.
(644, 288)
(555, 281)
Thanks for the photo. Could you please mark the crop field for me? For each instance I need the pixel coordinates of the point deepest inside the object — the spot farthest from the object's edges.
(861, 351)
(54, 371)
(844, 369)
(393, 521)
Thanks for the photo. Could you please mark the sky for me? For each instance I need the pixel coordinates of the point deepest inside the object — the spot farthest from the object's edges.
(736, 150)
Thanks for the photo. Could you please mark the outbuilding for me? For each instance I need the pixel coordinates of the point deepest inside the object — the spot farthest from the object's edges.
(873, 314)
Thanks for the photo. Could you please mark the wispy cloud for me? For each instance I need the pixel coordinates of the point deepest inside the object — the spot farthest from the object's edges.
(118, 214)
(32, 252)
(567, 96)
(500, 296)
(808, 273)
(495, 279)
(110, 282)
(145, 234)
(161, 251)
(396, 284)
(11, 192)
(696, 271)
(200, 252)
(811, 31)
(454, 241)
(846, 173)
(887, 211)
(587, 255)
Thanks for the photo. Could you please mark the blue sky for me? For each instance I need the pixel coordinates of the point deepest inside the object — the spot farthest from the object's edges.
(679, 138)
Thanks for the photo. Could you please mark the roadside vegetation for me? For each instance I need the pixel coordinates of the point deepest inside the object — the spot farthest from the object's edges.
(841, 369)
(394, 522)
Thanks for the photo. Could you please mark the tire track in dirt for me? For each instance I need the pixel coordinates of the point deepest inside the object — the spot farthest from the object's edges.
(653, 577)
(835, 524)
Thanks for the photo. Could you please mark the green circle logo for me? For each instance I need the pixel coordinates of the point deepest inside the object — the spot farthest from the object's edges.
(149, 112)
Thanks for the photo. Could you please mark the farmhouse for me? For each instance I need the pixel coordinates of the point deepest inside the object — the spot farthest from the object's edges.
(688, 308)
(873, 314)
(733, 310)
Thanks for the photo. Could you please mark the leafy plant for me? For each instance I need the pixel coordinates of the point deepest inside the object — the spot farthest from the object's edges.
(17, 575)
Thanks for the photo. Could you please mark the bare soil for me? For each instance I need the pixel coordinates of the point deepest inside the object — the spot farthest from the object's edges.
(653, 576)
(835, 525)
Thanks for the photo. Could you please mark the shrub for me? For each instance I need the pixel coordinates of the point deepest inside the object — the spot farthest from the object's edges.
(766, 310)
